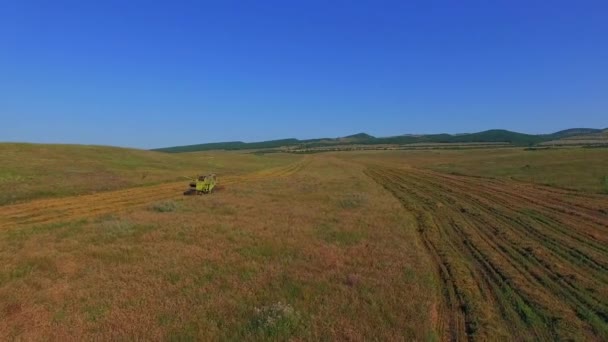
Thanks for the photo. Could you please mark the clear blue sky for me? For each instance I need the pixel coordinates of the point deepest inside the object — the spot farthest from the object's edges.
(163, 73)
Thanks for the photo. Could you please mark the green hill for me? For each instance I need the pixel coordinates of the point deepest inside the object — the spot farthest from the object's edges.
(489, 136)
(30, 171)
(574, 132)
(231, 145)
(359, 136)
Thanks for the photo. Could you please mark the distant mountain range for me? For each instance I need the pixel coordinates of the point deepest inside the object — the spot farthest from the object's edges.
(490, 136)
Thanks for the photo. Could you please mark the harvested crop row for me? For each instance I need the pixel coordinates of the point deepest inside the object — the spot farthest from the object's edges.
(515, 260)
(54, 210)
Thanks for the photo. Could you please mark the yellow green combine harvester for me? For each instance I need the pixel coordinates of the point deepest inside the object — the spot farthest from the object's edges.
(202, 185)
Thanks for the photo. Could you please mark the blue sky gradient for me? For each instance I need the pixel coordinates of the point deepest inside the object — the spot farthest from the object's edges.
(153, 74)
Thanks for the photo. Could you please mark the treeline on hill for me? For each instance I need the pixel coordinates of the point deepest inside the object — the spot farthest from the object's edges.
(490, 136)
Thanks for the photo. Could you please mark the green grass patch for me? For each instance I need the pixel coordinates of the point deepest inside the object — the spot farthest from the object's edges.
(96, 312)
(59, 316)
(22, 271)
(9, 177)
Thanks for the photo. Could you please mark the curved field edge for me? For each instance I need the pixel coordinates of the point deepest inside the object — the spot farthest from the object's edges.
(515, 260)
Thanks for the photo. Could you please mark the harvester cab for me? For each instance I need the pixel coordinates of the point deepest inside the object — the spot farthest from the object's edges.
(203, 184)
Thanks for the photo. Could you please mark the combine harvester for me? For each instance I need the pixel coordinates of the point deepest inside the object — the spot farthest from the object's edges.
(202, 185)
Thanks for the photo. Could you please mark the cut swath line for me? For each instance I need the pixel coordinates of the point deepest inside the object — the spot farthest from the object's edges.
(514, 259)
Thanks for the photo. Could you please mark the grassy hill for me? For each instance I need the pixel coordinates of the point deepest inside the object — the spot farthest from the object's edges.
(30, 171)
(574, 132)
(579, 137)
(489, 136)
(230, 145)
(495, 135)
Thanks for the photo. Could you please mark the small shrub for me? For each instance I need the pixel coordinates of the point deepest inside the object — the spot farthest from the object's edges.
(164, 207)
(276, 321)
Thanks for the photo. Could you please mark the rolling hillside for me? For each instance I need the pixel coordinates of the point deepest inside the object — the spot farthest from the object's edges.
(31, 171)
(489, 136)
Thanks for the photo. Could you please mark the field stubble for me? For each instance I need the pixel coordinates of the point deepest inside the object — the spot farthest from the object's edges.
(514, 259)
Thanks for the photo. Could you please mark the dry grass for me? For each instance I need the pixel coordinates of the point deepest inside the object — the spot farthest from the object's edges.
(334, 249)
(344, 246)
(32, 171)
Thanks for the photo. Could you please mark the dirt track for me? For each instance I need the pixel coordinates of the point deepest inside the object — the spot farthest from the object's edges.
(77, 207)
(516, 261)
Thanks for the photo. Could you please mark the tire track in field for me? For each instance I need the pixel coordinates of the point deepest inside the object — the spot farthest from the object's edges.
(515, 260)
(69, 208)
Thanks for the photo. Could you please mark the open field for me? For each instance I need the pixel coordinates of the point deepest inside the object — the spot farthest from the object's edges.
(376, 245)
(31, 171)
(317, 253)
